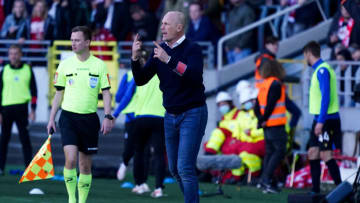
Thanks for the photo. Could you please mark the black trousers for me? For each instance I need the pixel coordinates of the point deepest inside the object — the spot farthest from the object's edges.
(18, 114)
(275, 147)
(149, 130)
(129, 142)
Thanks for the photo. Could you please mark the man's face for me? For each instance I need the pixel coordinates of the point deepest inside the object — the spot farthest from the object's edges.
(14, 55)
(170, 28)
(78, 42)
(19, 8)
(344, 12)
(272, 47)
(195, 12)
(356, 55)
(307, 57)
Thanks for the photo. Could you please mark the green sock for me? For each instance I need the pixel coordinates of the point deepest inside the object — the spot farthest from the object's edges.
(84, 187)
(70, 178)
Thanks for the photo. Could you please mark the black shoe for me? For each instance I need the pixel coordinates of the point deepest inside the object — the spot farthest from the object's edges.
(268, 188)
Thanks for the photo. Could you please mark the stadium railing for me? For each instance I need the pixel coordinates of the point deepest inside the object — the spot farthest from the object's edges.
(34, 52)
(348, 79)
(125, 52)
(261, 22)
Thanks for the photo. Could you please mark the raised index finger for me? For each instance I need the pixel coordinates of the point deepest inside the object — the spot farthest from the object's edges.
(157, 45)
(136, 38)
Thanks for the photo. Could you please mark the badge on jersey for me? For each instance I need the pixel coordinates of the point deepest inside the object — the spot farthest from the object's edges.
(71, 81)
(93, 81)
(16, 78)
(56, 77)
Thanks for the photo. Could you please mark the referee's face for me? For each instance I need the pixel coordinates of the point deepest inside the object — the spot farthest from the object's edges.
(78, 43)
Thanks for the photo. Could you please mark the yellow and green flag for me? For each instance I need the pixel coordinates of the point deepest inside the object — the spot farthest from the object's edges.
(41, 167)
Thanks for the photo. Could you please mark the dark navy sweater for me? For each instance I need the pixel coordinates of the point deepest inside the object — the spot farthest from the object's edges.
(181, 79)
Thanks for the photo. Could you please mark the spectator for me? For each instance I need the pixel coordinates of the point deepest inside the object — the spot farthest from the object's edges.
(200, 28)
(80, 11)
(344, 29)
(144, 23)
(2, 13)
(40, 26)
(300, 19)
(15, 22)
(353, 8)
(101, 34)
(115, 17)
(355, 52)
(59, 11)
(239, 16)
(345, 55)
(213, 9)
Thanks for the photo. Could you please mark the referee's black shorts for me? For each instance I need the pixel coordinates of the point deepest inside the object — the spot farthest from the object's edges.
(330, 138)
(81, 130)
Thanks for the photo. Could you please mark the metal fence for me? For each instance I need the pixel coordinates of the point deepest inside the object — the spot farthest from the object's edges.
(124, 49)
(269, 19)
(34, 52)
(347, 75)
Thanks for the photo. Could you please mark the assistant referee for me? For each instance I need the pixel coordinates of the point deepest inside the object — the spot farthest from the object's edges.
(79, 79)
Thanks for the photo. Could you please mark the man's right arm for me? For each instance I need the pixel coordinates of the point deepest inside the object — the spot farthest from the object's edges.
(142, 75)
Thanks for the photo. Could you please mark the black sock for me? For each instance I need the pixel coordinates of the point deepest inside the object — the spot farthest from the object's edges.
(315, 174)
(334, 171)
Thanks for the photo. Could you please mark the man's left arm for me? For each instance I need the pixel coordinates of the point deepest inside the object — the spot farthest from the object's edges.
(105, 87)
(324, 81)
(33, 91)
(191, 70)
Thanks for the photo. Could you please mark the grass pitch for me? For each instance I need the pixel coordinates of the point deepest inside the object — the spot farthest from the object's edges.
(109, 190)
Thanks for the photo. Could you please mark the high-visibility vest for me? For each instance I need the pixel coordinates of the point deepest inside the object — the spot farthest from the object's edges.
(315, 93)
(248, 121)
(150, 98)
(16, 85)
(258, 63)
(228, 127)
(278, 116)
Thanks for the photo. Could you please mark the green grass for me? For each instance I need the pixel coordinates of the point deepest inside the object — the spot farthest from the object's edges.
(105, 190)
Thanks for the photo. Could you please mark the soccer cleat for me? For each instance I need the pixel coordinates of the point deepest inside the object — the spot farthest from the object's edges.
(121, 172)
(1, 172)
(157, 193)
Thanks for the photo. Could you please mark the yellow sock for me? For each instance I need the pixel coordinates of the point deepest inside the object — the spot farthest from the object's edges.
(84, 187)
(70, 178)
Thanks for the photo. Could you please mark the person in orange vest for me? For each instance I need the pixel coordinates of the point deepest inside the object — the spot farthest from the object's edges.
(269, 53)
(271, 113)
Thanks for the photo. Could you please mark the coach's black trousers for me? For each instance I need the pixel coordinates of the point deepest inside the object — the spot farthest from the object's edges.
(18, 114)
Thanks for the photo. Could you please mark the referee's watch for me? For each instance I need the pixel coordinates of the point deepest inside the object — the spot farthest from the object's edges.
(109, 116)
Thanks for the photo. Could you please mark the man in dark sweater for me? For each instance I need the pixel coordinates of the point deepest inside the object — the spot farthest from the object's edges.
(179, 65)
